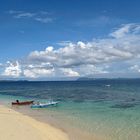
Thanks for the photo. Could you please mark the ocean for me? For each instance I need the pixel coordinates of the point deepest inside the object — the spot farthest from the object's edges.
(108, 109)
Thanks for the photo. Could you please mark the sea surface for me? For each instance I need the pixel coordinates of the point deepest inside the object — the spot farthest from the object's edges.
(108, 109)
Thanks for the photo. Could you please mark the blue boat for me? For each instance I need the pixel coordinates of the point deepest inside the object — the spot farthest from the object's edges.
(44, 105)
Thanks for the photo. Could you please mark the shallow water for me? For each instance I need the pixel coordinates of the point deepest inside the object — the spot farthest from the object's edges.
(108, 112)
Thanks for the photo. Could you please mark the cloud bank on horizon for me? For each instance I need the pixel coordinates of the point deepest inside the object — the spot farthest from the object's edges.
(117, 53)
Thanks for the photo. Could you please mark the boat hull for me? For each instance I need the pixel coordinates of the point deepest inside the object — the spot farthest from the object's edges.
(22, 103)
(44, 105)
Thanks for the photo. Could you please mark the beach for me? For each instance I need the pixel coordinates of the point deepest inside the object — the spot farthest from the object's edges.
(15, 125)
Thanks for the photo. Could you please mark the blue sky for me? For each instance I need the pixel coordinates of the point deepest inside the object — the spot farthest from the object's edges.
(29, 25)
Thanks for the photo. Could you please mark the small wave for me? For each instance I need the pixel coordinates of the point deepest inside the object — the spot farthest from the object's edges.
(108, 85)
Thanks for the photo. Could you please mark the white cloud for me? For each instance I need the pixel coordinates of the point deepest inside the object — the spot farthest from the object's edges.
(37, 72)
(13, 69)
(63, 43)
(42, 16)
(88, 69)
(24, 15)
(13, 12)
(69, 72)
(92, 56)
(121, 32)
(135, 68)
(81, 53)
(43, 20)
(128, 29)
(117, 53)
(99, 21)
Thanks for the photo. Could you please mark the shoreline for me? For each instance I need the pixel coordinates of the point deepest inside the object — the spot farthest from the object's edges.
(47, 118)
(72, 132)
(16, 125)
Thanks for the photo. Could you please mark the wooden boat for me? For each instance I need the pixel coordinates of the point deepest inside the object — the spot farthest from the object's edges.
(22, 103)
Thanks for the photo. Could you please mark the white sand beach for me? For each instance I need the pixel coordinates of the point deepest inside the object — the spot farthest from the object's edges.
(15, 126)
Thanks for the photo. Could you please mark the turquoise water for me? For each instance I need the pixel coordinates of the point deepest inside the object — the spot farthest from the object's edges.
(110, 112)
(100, 119)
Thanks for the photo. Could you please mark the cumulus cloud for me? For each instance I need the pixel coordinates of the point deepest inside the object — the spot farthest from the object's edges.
(122, 46)
(95, 52)
(13, 69)
(74, 59)
(88, 69)
(69, 72)
(135, 68)
(37, 72)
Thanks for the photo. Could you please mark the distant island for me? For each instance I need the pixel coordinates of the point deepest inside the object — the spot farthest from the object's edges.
(91, 78)
(85, 79)
(14, 81)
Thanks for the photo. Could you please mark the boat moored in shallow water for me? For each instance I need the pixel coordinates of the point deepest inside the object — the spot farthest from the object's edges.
(22, 103)
(44, 105)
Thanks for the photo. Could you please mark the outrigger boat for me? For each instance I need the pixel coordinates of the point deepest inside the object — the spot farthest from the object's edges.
(22, 103)
(44, 105)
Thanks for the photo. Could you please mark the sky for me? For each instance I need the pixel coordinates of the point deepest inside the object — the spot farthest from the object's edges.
(51, 39)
